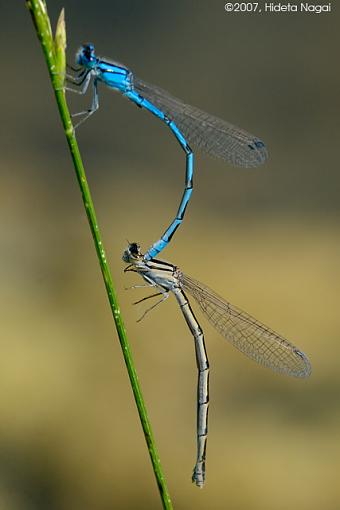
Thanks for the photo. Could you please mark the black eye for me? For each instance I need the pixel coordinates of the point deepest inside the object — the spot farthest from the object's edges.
(87, 52)
(134, 249)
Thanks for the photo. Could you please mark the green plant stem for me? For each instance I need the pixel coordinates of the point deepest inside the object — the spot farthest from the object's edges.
(52, 52)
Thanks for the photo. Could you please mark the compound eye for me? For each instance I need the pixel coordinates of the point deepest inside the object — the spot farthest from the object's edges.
(88, 50)
(134, 249)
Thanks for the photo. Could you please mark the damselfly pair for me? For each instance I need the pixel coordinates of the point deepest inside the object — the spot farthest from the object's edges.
(221, 139)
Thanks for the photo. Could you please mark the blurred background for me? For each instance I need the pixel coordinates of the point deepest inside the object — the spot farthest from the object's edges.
(267, 239)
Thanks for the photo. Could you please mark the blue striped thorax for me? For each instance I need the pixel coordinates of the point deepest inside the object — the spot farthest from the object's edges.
(113, 74)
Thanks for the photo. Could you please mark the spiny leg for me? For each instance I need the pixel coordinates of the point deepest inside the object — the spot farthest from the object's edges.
(147, 297)
(165, 296)
(83, 81)
(150, 283)
(75, 69)
(139, 287)
(94, 106)
(79, 78)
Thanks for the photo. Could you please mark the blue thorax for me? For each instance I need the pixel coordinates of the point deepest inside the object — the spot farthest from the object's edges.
(113, 74)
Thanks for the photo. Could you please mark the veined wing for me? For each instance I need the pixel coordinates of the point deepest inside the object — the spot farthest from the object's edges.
(248, 334)
(211, 134)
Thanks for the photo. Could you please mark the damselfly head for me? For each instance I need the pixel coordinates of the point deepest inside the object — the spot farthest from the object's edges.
(85, 56)
(132, 253)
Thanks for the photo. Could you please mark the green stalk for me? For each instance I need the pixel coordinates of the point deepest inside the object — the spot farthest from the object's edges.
(54, 52)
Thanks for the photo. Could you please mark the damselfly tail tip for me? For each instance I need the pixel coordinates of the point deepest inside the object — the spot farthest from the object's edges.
(198, 478)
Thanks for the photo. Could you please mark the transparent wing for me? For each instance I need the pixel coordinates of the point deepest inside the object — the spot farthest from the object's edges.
(246, 333)
(211, 134)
